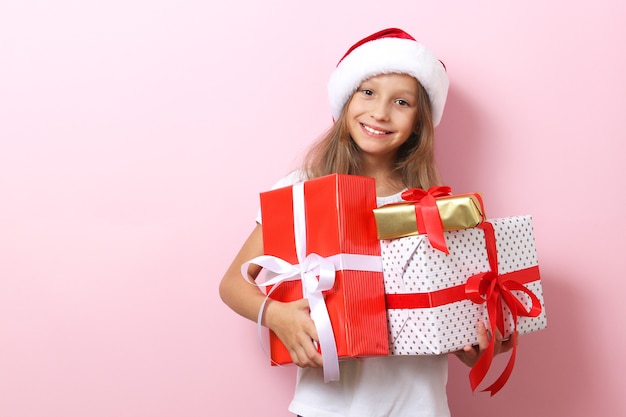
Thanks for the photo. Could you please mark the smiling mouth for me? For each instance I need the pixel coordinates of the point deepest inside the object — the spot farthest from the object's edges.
(374, 131)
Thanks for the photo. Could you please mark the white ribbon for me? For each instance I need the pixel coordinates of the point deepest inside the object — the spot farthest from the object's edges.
(308, 269)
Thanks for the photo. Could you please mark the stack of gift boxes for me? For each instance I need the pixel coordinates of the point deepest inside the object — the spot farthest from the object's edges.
(411, 278)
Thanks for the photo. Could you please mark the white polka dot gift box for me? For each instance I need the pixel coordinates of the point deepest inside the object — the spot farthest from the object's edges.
(434, 299)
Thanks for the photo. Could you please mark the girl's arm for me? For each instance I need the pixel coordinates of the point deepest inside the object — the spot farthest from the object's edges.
(290, 321)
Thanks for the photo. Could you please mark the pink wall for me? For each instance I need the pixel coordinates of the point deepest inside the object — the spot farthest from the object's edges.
(135, 136)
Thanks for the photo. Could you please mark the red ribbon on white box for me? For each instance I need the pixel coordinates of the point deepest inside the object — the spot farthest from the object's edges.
(308, 269)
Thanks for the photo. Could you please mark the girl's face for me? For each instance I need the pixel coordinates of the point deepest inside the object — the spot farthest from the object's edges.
(381, 114)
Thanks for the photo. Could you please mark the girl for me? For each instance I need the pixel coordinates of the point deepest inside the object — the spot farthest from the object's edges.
(387, 94)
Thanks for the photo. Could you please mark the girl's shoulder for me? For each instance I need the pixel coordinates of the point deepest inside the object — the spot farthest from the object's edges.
(293, 177)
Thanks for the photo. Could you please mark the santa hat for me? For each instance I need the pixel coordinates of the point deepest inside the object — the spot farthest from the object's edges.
(385, 52)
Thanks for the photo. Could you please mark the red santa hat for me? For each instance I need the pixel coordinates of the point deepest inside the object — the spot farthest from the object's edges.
(385, 52)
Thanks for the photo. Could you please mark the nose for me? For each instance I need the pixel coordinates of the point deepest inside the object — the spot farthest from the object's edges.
(380, 111)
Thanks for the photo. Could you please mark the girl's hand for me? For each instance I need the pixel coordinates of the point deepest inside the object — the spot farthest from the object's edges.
(294, 327)
(469, 355)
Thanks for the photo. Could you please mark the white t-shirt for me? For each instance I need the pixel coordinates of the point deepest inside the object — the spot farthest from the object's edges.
(393, 386)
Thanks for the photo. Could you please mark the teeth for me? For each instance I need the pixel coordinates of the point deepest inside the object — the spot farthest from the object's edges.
(373, 131)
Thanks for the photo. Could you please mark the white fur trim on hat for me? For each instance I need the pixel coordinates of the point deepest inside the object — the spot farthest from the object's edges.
(385, 56)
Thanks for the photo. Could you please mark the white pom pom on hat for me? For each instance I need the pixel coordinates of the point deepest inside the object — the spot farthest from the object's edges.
(385, 52)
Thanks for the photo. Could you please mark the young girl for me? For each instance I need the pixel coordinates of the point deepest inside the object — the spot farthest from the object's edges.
(387, 94)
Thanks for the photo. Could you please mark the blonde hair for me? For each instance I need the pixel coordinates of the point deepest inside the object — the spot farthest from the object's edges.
(336, 152)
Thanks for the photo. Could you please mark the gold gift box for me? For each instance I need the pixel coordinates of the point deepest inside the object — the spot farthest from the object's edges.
(457, 212)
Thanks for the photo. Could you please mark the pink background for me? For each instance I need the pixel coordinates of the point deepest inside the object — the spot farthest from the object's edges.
(135, 136)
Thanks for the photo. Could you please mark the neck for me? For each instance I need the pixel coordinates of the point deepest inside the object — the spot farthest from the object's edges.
(388, 182)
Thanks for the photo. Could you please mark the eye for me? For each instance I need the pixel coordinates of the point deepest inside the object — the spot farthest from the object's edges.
(367, 91)
(402, 102)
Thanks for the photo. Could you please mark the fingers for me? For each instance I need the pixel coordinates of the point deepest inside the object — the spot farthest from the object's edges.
(305, 355)
(468, 355)
(304, 352)
(501, 344)
(509, 343)
(293, 325)
(484, 336)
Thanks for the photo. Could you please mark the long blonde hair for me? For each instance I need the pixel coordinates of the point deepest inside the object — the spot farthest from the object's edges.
(336, 151)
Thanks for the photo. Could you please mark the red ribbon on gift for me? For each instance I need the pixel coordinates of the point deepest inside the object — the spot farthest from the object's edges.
(494, 289)
(456, 293)
(427, 214)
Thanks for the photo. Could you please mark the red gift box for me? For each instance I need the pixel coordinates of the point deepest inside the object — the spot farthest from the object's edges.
(337, 214)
